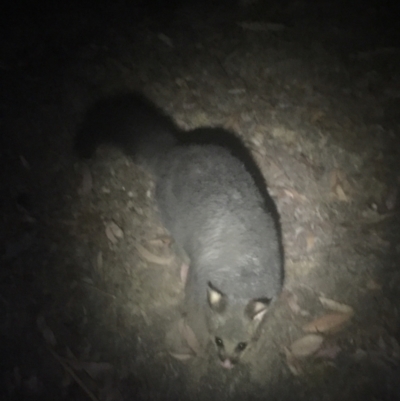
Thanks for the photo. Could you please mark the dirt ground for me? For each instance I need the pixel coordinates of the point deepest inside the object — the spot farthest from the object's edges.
(90, 285)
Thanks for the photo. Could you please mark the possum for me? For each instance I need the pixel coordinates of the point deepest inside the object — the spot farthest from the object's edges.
(214, 202)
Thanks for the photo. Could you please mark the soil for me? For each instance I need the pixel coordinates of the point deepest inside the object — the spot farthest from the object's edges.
(313, 89)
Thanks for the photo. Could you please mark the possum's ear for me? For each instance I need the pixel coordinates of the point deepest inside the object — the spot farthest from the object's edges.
(257, 308)
(216, 299)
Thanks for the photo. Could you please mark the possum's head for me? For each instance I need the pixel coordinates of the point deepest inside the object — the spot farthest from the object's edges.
(232, 324)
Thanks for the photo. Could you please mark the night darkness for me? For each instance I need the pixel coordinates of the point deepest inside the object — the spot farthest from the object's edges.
(90, 286)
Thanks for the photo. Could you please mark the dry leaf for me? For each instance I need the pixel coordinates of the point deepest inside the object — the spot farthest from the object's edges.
(118, 233)
(184, 272)
(329, 322)
(335, 306)
(340, 194)
(188, 334)
(293, 364)
(181, 357)
(333, 179)
(292, 301)
(150, 257)
(113, 232)
(110, 235)
(329, 352)
(306, 345)
(337, 184)
(310, 241)
(293, 194)
(182, 341)
(160, 241)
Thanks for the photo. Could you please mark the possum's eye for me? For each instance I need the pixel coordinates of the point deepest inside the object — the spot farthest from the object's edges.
(241, 346)
(219, 342)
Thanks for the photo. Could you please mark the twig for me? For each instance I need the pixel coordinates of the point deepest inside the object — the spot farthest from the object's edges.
(74, 376)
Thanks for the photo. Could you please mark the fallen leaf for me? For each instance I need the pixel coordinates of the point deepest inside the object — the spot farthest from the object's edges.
(285, 135)
(116, 230)
(329, 352)
(184, 272)
(181, 357)
(292, 301)
(310, 242)
(150, 257)
(72, 373)
(181, 341)
(113, 232)
(335, 306)
(298, 231)
(340, 193)
(161, 240)
(293, 194)
(338, 184)
(326, 323)
(110, 235)
(306, 345)
(293, 363)
(188, 334)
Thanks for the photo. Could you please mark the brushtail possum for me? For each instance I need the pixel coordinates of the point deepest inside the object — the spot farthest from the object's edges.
(213, 200)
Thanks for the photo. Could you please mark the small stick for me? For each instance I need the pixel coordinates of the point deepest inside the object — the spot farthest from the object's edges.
(74, 376)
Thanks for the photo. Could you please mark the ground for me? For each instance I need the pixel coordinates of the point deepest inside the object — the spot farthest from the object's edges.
(90, 285)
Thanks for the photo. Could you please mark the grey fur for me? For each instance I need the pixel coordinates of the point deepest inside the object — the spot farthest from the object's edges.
(210, 202)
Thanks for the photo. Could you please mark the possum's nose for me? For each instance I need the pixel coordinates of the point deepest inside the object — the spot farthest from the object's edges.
(228, 363)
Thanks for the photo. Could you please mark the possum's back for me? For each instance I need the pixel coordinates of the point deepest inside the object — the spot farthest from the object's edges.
(213, 208)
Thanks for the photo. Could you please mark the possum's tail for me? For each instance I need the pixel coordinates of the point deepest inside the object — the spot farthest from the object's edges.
(131, 123)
